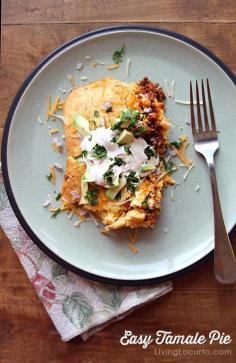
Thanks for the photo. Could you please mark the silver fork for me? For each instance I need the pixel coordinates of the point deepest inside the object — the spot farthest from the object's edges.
(206, 143)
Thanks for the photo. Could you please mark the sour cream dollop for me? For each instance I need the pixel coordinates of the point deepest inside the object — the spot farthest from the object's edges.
(96, 168)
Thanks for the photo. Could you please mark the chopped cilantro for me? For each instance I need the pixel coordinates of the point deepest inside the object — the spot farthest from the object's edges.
(132, 181)
(176, 144)
(117, 56)
(131, 115)
(91, 196)
(57, 211)
(168, 165)
(144, 203)
(139, 131)
(99, 152)
(149, 151)
(49, 177)
(118, 195)
(113, 139)
(58, 197)
(108, 176)
(119, 161)
(128, 119)
(96, 113)
(117, 125)
(84, 153)
(127, 150)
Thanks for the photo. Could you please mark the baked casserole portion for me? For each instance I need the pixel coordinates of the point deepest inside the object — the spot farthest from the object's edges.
(116, 136)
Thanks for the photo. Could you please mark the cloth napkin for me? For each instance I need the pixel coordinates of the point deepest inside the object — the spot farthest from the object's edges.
(76, 305)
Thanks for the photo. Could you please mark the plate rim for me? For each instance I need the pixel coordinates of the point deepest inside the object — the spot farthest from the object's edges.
(7, 126)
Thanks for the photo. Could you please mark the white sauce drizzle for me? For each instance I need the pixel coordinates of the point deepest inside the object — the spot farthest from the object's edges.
(97, 167)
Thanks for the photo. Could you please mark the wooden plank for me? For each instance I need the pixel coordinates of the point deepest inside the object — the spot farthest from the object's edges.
(39, 40)
(24, 322)
(200, 279)
(33, 11)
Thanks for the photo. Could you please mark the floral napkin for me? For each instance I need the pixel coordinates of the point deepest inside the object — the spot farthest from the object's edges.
(76, 305)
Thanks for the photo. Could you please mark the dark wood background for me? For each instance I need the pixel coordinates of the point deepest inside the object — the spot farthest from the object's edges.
(31, 29)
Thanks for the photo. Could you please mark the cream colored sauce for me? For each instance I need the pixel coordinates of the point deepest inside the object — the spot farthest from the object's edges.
(97, 167)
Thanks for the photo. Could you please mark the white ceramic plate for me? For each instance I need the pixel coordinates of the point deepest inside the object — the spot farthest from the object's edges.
(27, 153)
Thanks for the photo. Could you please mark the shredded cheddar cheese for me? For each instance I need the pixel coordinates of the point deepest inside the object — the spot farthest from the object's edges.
(52, 210)
(55, 105)
(53, 131)
(183, 138)
(49, 108)
(134, 237)
(57, 147)
(52, 171)
(133, 248)
(113, 66)
(181, 152)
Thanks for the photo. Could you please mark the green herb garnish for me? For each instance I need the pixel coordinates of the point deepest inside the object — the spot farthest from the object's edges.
(108, 176)
(127, 150)
(91, 196)
(117, 56)
(131, 115)
(144, 203)
(117, 125)
(57, 211)
(113, 139)
(149, 151)
(99, 152)
(168, 165)
(58, 197)
(49, 177)
(139, 131)
(119, 161)
(84, 153)
(132, 181)
(118, 195)
(128, 117)
(96, 113)
(176, 144)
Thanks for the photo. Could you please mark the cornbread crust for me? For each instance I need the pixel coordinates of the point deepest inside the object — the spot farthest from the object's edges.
(84, 100)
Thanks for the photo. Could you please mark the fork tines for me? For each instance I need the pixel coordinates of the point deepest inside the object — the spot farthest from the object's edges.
(202, 124)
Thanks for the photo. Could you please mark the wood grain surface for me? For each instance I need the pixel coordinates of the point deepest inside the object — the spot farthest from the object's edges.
(31, 29)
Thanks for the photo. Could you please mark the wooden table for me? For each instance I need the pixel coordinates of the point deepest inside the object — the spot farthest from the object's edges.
(31, 29)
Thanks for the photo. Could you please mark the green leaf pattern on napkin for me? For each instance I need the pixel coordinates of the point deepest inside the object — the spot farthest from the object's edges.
(112, 296)
(58, 270)
(77, 308)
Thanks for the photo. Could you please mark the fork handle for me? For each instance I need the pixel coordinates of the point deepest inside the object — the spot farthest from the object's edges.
(224, 258)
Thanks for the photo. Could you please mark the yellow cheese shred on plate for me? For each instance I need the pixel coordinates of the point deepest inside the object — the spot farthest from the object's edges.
(53, 174)
(134, 237)
(55, 105)
(49, 108)
(54, 131)
(113, 66)
(132, 248)
(181, 152)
